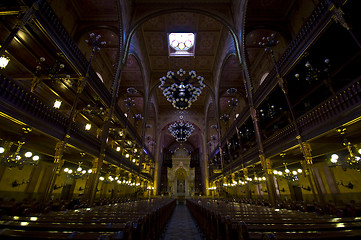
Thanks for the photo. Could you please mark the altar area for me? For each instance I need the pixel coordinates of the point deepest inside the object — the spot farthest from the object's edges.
(180, 175)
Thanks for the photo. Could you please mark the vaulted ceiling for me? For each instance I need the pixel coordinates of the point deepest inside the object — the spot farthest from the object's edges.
(147, 57)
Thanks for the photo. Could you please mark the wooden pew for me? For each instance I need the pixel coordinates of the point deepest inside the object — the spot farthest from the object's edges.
(244, 221)
(138, 220)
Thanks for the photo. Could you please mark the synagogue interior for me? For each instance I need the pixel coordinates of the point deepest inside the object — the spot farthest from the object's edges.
(143, 119)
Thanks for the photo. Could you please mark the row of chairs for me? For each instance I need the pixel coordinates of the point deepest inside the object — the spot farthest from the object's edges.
(228, 220)
(143, 219)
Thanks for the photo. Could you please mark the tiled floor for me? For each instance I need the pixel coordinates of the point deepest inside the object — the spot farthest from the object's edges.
(182, 226)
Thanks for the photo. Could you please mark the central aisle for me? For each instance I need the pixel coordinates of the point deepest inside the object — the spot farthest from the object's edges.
(181, 226)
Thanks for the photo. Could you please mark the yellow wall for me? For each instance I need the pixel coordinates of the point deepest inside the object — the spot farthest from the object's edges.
(345, 177)
(7, 191)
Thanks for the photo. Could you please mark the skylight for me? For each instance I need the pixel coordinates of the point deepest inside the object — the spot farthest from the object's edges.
(181, 44)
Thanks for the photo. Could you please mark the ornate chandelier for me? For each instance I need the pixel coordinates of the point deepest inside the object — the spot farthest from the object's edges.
(181, 89)
(181, 130)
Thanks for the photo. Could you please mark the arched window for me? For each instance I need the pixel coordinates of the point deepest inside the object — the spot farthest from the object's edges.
(263, 78)
(100, 77)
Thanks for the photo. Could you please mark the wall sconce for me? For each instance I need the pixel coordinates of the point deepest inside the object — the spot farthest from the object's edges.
(306, 188)
(88, 126)
(57, 187)
(16, 184)
(12, 155)
(4, 61)
(350, 160)
(349, 185)
(57, 104)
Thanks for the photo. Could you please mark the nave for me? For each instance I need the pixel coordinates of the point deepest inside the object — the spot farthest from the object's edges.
(109, 107)
(182, 225)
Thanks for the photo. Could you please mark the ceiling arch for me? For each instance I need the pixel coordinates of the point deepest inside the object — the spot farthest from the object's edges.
(221, 18)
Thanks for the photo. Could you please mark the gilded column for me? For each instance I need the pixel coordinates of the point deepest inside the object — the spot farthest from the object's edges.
(57, 166)
(248, 191)
(270, 179)
(308, 169)
(92, 180)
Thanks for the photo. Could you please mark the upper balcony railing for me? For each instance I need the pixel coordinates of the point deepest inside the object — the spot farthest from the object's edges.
(24, 106)
(48, 21)
(311, 29)
(344, 106)
(323, 117)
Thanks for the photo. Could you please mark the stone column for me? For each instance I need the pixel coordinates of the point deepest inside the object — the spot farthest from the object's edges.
(205, 167)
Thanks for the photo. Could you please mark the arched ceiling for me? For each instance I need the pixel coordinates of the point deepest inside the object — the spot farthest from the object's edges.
(148, 59)
(149, 52)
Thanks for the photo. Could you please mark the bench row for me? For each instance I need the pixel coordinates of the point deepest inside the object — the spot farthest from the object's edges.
(219, 220)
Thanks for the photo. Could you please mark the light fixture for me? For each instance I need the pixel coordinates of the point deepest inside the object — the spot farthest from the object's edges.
(351, 160)
(181, 130)
(12, 154)
(94, 110)
(88, 126)
(45, 72)
(4, 61)
(129, 102)
(315, 73)
(137, 117)
(181, 89)
(28, 154)
(57, 104)
(224, 118)
(288, 174)
(78, 173)
(245, 180)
